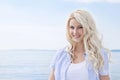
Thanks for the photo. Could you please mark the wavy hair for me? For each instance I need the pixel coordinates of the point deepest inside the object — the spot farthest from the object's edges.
(92, 41)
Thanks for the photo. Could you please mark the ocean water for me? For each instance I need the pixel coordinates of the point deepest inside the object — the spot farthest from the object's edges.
(25, 64)
(34, 64)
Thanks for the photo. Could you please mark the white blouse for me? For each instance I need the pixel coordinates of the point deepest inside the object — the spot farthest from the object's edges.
(77, 71)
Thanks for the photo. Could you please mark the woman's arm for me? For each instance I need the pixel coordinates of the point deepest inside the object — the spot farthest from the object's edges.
(104, 77)
(51, 76)
(104, 72)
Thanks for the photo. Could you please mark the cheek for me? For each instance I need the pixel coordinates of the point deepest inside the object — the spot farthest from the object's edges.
(81, 31)
(70, 31)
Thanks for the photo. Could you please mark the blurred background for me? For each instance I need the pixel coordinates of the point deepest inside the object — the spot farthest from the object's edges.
(40, 24)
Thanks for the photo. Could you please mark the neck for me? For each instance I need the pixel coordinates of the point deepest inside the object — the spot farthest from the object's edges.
(79, 48)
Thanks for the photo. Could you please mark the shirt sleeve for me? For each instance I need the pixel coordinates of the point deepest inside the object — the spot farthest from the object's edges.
(55, 59)
(105, 69)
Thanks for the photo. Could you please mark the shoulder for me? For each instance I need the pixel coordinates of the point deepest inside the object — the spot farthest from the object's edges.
(104, 53)
(60, 52)
(58, 55)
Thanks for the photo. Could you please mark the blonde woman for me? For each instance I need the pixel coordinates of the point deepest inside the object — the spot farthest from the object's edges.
(84, 58)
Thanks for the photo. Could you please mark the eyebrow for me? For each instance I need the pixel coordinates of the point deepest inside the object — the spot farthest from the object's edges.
(77, 26)
(80, 26)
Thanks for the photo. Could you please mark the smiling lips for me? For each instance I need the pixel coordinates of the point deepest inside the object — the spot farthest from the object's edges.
(76, 36)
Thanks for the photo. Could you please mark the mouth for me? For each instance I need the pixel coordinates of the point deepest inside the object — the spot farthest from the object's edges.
(76, 36)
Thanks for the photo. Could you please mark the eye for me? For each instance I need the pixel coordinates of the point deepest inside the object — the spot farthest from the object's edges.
(72, 27)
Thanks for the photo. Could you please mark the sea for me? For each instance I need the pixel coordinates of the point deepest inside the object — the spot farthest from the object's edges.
(35, 64)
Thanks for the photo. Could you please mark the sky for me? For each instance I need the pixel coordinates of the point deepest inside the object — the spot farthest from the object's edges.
(41, 24)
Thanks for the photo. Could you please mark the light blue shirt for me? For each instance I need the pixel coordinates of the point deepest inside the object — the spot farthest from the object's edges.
(61, 62)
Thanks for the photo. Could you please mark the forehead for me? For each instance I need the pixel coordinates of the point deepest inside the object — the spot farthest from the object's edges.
(74, 22)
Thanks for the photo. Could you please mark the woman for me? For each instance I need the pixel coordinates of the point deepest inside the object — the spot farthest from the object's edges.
(84, 58)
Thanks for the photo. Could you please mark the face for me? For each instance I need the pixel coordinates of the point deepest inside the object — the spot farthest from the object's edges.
(76, 31)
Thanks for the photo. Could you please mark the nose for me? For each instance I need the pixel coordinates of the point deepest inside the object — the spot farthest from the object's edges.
(75, 31)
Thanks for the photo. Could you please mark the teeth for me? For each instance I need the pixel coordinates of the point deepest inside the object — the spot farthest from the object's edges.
(76, 36)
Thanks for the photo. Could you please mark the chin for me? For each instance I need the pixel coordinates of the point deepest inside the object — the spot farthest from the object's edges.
(76, 40)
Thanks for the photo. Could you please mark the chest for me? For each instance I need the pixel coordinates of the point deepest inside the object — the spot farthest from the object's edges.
(77, 71)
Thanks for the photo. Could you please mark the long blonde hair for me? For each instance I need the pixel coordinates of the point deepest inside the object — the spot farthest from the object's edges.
(91, 40)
